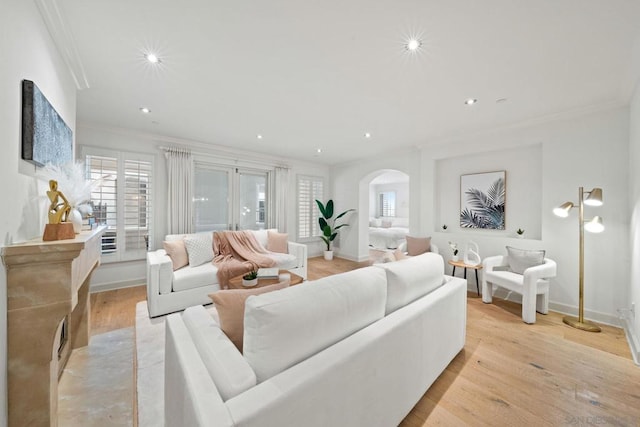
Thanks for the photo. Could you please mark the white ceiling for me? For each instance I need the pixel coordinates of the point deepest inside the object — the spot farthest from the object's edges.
(319, 74)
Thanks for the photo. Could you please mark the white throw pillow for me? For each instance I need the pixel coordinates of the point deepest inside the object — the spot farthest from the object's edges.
(228, 369)
(411, 278)
(199, 248)
(286, 327)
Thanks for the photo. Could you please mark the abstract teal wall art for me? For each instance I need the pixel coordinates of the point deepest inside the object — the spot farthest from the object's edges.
(46, 138)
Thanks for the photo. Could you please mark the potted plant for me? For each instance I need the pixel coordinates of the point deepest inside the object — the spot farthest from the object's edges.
(250, 279)
(520, 233)
(444, 227)
(328, 225)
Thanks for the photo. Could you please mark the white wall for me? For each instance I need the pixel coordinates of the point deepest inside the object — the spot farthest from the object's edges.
(634, 209)
(523, 167)
(27, 53)
(119, 274)
(586, 151)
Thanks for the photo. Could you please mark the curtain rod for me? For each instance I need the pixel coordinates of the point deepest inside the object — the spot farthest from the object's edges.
(226, 157)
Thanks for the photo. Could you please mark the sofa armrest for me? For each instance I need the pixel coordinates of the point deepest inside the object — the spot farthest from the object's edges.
(489, 263)
(542, 271)
(299, 250)
(159, 273)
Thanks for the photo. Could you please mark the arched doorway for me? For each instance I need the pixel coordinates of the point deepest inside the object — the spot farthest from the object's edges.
(384, 209)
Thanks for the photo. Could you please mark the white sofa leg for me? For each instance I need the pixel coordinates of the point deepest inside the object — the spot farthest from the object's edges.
(542, 303)
(487, 292)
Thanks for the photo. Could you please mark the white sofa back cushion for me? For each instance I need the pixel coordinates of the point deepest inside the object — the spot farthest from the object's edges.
(283, 328)
(228, 369)
(411, 278)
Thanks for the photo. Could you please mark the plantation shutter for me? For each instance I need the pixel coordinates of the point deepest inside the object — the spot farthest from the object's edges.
(104, 198)
(309, 189)
(122, 201)
(137, 205)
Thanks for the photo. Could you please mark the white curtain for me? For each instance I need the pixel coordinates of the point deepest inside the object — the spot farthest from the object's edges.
(179, 198)
(281, 184)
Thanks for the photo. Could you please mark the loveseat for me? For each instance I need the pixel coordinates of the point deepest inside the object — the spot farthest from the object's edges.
(169, 290)
(354, 349)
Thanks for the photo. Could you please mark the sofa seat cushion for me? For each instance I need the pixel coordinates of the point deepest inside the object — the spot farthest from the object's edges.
(284, 261)
(194, 277)
(411, 278)
(286, 327)
(228, 369)
(513, 281)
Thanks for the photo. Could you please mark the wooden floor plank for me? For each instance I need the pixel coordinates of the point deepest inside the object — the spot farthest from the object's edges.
(509, 373)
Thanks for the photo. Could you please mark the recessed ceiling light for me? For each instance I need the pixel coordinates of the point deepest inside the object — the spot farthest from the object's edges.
(259, 136)
(413, 45)
(501, 100)
(367, 135)
(153, 58)
(145, 110)
(319, 150)
(470, 101)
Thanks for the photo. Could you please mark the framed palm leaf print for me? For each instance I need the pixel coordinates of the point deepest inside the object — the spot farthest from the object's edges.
(482, 200)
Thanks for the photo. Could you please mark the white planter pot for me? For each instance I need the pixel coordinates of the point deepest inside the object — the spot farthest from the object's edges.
(249, 283)
(455, 258)
(328, 255)
(520, 236)
(75, 218)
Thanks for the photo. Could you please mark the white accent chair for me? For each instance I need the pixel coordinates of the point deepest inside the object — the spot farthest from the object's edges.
(533, 285)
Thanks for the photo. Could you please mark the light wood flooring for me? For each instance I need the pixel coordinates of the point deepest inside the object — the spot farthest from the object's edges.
(508, 374)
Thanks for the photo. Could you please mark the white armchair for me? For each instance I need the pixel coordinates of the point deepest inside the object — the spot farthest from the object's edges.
(533, 285)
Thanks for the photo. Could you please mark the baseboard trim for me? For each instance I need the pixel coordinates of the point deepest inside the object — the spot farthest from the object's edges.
(110, 286)
(632, 339)
(594, 316)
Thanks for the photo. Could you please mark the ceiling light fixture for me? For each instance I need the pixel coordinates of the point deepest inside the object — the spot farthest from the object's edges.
(153, 58)
(145, 110)
(367, 135)
(259, 136)
(470, 101)
(319, 150)
(413, 45)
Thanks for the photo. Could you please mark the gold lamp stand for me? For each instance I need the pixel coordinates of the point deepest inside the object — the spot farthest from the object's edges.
(594, 225)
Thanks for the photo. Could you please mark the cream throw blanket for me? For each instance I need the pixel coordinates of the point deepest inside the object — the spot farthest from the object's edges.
(236, 253)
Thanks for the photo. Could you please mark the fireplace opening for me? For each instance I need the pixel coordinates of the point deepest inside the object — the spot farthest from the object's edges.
(63, 336)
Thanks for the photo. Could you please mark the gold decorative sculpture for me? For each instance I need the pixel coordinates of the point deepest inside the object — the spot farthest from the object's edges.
(58, 211)
(58, 228)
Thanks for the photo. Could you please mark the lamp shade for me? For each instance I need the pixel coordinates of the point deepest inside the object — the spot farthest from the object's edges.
(563, 210)
(595, 197)
(595, 225)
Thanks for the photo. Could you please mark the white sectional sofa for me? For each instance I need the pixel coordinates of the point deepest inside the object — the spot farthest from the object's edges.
(169, 291)
(354, 349)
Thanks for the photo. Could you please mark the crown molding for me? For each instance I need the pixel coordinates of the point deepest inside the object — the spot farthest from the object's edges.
(156, 141)
(60, 32)
(547, 118)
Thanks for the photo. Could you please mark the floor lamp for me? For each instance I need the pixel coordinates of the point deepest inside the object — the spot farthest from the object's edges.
(593, 225)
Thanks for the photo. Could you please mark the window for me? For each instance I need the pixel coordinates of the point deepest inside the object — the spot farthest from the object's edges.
(310, 188)
(387, 203)
(122, 202)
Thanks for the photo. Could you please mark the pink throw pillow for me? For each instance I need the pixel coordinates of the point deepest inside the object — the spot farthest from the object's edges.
(177, 251)
(230, 306)
(277, 242)
(418, 245)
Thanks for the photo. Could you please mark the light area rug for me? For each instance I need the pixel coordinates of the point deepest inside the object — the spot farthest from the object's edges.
(96, 387)
(150, 366)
